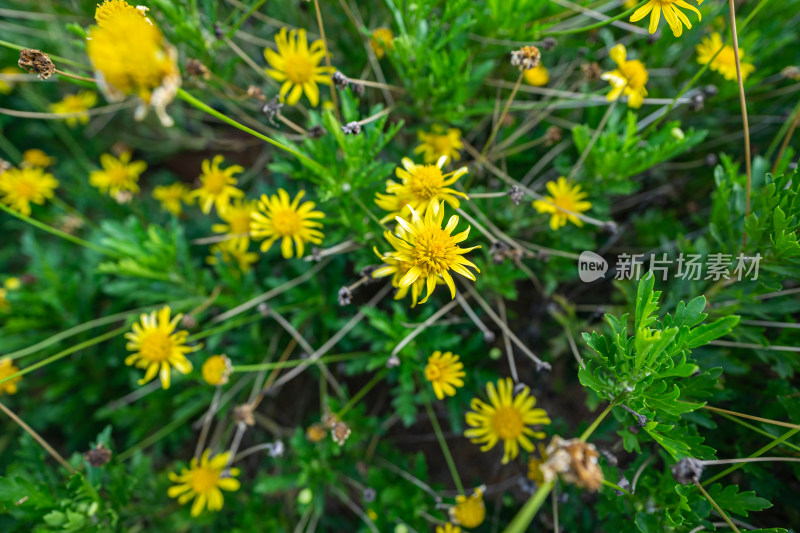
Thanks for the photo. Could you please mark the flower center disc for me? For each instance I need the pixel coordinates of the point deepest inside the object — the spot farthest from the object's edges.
(426, 182)
(299, 69)
(507, 423)
(287, 223)
(156, 346)
(204, 479)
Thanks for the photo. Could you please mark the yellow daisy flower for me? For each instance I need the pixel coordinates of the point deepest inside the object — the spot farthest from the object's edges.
(6, 85)
(36, 158)
(629, 78)
(398, 270)
(20, 187)
(438, 143)
(7, 369)
(158, 347)
(676, 18)
(12, 284)
(75, 103)
(233, 251)
(110, 8)
(217, 185)
(537, 76)
(298, 66)
(448, 528)
(444, 371)
(535, 473)
(203, 481)
(5, 306)
(279, 218)
(131, 58)
(381, 41)
(428, 251)
(505, 418)
(171, 196)
(217, 369)
(565, 199)
(118, 175)
(725, 62)
(469, 511)
(237, 217)
(419, 187)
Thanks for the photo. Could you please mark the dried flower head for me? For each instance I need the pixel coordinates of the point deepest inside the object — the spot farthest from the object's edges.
(196, 69)
(553, 135)
(244, 414)
(352, 128)
(340, 80)
(345, 296)
(526, 58)
(340, 433)
(36, 62)
(575, 461)
(591, 71)
(98, 456)
(687, 470)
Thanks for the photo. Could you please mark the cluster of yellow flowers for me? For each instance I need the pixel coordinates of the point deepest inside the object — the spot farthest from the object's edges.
(28, 184)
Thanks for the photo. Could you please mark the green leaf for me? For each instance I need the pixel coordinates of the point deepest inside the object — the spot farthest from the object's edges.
(730, 499)
(706, 333)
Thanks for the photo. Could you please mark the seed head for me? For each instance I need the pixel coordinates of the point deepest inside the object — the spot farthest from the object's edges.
(526, 58)
(36, 61)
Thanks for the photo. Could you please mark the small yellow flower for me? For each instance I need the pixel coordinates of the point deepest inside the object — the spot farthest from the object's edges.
(629, 78)
(203, 481)
(676, 18)
(237, 217)
(158, 347)
(79, 103)
(5, 307)
(381, 41)
(444, 371)
(278, 217)
(12, 284)
(630, 4)
(6, 85)
(438, 143)
(448, 528)
(469, 511)
(217, 369)
(419, 187)
(110, 8)
(22, 186)
(505, 418)
(565, 199)
(428, 251)
(233, 251)
(297, 65)
(7, 369)
(537, 76)
(217, 185)
(171, 196)
(316, 432)
(372, 514)
(725, 62)
(535, 473)
(131, 58)
(118, 175)
(398, 270)
(36, 158)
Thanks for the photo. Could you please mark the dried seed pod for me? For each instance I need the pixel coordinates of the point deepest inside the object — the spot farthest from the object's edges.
(36, 61)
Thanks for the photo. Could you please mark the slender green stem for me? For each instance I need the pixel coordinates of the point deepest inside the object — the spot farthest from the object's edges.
(160, 434)
(607, 483)
(586, 434)
(360, 394)
(64, 353)
(295, 362)
(202, 106)
(525, 516)
(442, 443)
(717, 508)
(58, 233)
(757, 453)
(57, 59)
(597, 24)
(758, 430)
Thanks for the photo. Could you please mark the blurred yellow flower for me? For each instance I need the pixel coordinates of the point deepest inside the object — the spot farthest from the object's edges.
(448, 528)
(7, 368)
(217, 185)
(117, 175)
(109, 8)
(725, 62)
(171, 196)
(75, 103)
(505, 418)
(20, 187)
(5, 307)
(537, 76)
(217, 369)
(6, 85)
(444, 371)
(675, 17)
(36, 158)
(427, 251)
(629, 78)
(420, 186)
(12, 284)
(535, 473)
(237, 220)
(203, 481)
(298, 66)
(564, 200)
(469, 511)
(233, 251)
(131, 58)
(158, 347)
(439, 142)
(278, 217)
(381, 41)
